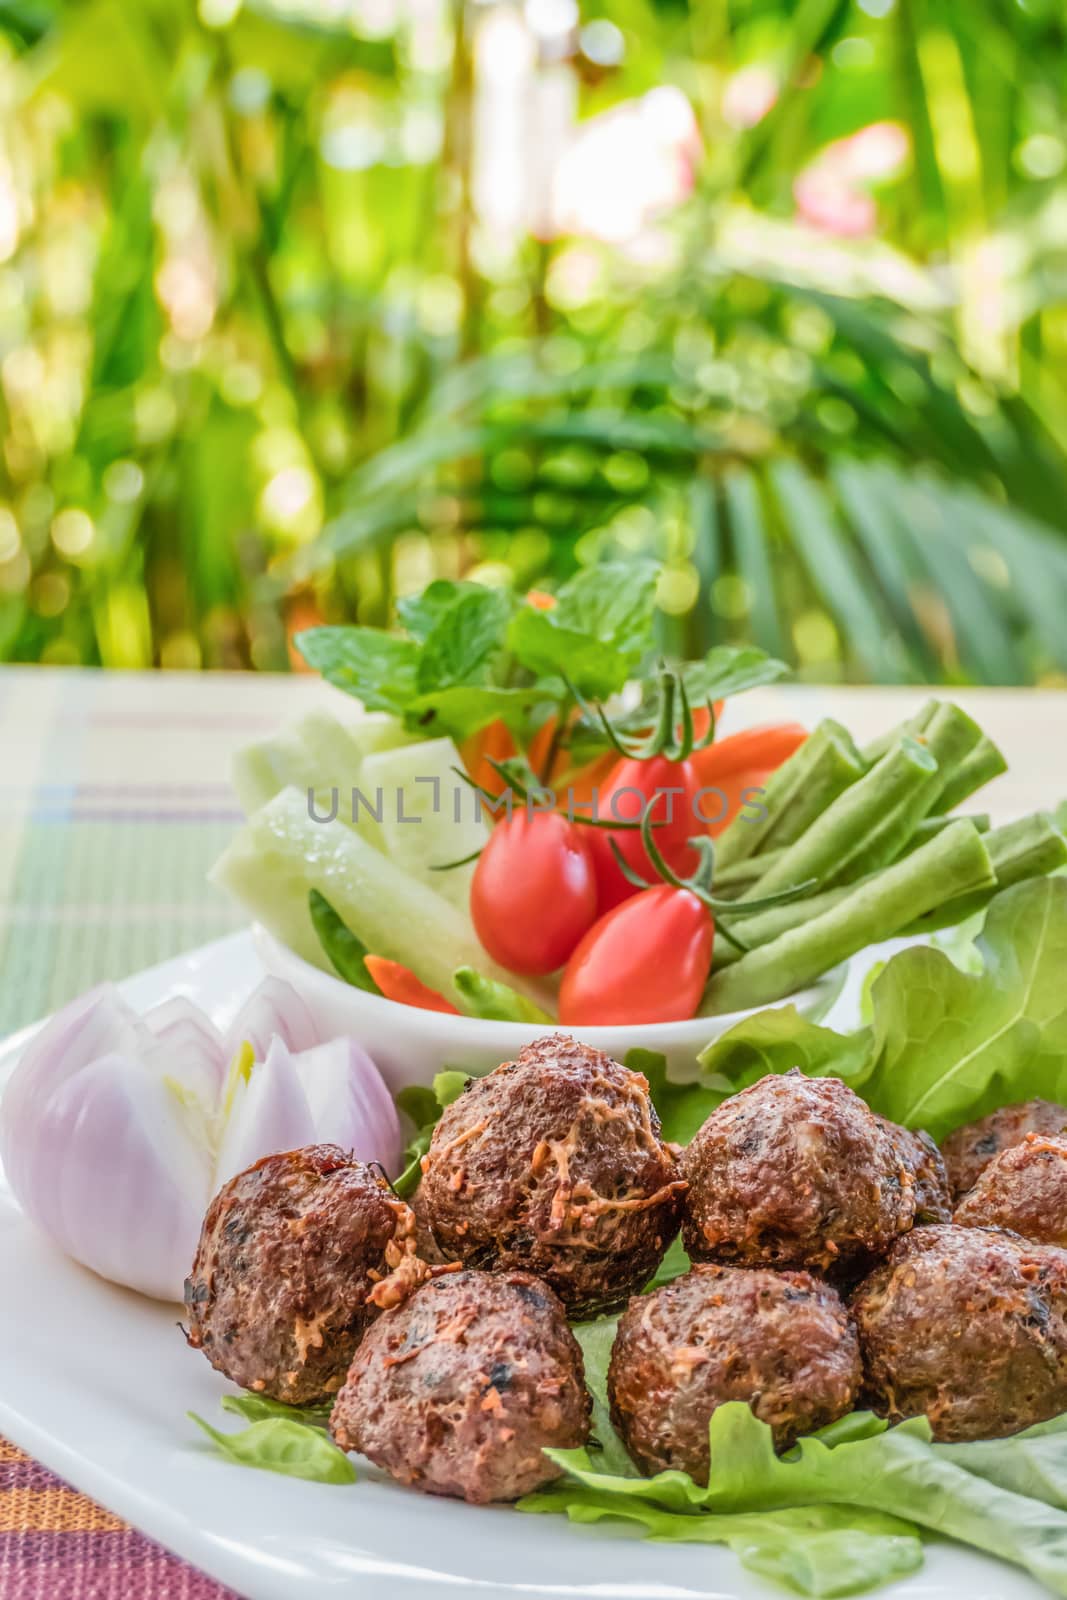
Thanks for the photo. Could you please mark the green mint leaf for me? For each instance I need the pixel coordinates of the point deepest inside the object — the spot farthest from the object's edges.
(597, 632)
(728, 670)
(420, 613)
(462, 710)
(614, 602)
(465, 642)
(547, 648)
(280, 1444)
(378, 668)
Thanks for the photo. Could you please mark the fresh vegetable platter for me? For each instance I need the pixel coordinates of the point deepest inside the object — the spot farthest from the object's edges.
(806, 1300)
(531, 816)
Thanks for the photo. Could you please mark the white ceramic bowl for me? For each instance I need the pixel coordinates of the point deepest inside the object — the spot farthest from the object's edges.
(410, 1045)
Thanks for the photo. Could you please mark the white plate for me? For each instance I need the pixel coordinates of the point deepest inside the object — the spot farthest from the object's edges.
(95, 1382)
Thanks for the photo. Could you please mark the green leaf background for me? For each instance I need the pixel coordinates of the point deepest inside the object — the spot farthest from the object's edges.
(286, 385)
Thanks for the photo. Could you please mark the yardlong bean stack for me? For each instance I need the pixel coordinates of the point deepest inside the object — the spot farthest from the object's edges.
(876, 849)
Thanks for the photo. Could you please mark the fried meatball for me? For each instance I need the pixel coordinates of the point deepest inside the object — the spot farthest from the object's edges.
(1024, 1189)
(967, 1326)
(796, 1171)
(922, 1158)
(459, 1390)
(294, 1256)
(554, 1164)
(970, 1149)
(782, 1341)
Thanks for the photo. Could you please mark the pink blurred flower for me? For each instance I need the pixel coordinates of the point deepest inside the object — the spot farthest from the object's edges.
(831, 193)
(749, 95)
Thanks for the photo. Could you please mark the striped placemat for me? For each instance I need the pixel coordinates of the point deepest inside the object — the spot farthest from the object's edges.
(57, 1545)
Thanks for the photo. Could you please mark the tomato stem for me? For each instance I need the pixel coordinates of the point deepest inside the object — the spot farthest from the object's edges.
(674, 711)
(511, 776)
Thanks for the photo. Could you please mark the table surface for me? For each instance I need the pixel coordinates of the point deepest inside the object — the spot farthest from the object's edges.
(114, 801)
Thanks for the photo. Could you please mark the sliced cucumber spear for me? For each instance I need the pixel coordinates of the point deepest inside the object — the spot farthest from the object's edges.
(317, 752)
(282, 854)
(428, 817)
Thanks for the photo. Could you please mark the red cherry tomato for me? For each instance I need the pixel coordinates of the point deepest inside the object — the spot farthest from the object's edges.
(671, 787)
(646, 961)
(534, 891)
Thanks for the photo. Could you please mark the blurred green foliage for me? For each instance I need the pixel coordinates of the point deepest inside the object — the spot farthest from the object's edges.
(283, 335)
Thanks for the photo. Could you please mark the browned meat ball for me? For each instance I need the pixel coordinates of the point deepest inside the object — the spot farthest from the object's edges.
(459, 1390)
(554, 1164)
(797, 1171)
(782, 1341)
(294, 1256)
(1024, 1189)
(970, 1149)
(967, 1326)
(919, 1153)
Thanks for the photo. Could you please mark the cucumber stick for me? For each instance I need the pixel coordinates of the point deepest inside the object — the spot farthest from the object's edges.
(281, 854)
(429, 816)
(318, 752)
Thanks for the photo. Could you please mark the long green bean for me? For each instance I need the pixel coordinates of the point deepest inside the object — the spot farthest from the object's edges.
(742, 875)
(953, 863)
(802, 787)
(910, 728)
(929, 826)
(1030, 847)
(984, 763)
(764, 926)
(1017, 851)
(865, 826)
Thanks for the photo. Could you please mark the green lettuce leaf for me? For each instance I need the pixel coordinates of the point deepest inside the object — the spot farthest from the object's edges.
(1033, 1463)
(951, 1046)
(856, 1464)
(682, 1107)
(812, 1550)
(285, 1445)
(943, 1046)
(596, 1339)
(424, 1107)
(776, 1041)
